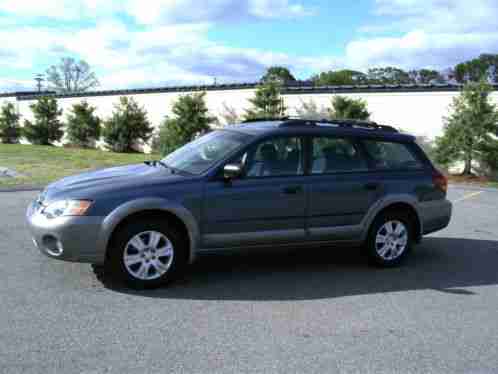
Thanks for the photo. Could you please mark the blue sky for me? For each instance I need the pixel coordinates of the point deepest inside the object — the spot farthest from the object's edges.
(143, 43)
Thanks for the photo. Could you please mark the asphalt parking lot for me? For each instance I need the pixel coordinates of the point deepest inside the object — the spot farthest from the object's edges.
(295, 312)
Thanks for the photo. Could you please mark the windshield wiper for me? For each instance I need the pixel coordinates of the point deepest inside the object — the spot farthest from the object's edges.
(155, 163)
(163, 164)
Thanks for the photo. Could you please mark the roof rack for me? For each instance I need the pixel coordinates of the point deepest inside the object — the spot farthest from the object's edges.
(359, 124)
(351, 123)
(266, 119)
(347, 123)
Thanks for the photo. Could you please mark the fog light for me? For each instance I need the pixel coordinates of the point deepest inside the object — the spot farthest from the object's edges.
(52, 245)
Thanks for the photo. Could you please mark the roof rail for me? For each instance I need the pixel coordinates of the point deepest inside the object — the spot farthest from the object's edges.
(337, 122)
(351, 123)
(265, 119)
(359, 124)
(298, 122)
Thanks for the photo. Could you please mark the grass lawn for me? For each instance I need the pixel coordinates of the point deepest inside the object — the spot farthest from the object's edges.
(41, 165)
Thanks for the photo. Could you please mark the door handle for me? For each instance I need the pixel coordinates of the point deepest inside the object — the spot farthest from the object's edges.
(372, 186)
(292, 190)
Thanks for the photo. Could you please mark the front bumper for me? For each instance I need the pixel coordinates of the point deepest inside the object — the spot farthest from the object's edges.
(74, 239)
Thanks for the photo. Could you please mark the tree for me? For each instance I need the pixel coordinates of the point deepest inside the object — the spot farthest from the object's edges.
(278, 74)
(426, 76)
(309, 110)
(127, 126)
(83, 125)
(10, 130)
(388, 75)
(47, 128)
(71, 76)
(339, 78)
(267, 102)
(484, 67)
(344, 107)
(191, 118)
(229, 115)
(470, 129)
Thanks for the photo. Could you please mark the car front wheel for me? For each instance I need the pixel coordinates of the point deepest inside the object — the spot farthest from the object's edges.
(147, 254)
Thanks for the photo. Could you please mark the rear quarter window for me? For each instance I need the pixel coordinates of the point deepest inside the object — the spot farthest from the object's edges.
(392, 156)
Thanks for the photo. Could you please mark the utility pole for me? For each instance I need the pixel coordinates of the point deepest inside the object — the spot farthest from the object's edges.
(39, 79)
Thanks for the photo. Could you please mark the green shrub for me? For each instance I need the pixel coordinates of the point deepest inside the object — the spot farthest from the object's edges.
(10, 130)
(191, 118)
(127, 126)
(344, 107)
(168, 139)
(310, 110)
(267, 102)
(470, 130)
(46, 128)
(83, 126)
(229, 115)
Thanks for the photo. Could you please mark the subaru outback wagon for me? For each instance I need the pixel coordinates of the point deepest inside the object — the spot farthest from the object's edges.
(265, 183)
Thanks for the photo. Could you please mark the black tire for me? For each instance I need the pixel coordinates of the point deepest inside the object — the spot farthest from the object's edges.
(115, 265)
(374, 257)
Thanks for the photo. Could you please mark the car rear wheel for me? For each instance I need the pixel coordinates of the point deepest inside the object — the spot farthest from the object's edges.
(147, 254)
(390, 239)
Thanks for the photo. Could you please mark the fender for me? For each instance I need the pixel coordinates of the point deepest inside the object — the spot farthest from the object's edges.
(376, 208)
(134, 206)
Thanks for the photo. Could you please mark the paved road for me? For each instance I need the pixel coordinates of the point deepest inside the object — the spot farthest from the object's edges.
(323, 311)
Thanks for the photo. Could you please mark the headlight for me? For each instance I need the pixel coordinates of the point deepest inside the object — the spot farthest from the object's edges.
(66, 208)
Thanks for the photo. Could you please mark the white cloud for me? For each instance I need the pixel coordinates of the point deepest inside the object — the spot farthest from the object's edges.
(167, 11)
(13, 85)
(157, 55)
(157, 11)
(59, 9)
(419, 49)
(440, 15)
(434, 33)
(170, 44)
(277, 8)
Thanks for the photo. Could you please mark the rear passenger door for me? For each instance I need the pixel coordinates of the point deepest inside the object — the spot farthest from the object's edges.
(340, 193)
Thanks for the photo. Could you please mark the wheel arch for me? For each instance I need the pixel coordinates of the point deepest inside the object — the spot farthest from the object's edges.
(155, 208)
(405, 204)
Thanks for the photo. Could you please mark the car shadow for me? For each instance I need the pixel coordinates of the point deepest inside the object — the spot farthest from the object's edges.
(448, 265)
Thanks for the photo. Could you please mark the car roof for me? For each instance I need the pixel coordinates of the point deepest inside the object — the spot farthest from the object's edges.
(366, 129)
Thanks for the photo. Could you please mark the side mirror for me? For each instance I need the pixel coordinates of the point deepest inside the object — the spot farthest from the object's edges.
(232, 171)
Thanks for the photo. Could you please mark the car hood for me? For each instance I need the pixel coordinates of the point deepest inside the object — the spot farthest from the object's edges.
(115, 178)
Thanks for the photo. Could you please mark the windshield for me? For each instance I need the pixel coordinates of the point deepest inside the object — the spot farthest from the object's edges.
(199, 155)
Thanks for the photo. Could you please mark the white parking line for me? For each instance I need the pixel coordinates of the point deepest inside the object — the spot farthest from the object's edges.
(468, 196)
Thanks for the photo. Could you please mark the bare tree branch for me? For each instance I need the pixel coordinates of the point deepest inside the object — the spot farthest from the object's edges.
(71, 76)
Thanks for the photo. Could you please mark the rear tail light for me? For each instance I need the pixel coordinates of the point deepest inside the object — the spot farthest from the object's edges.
(440, 181)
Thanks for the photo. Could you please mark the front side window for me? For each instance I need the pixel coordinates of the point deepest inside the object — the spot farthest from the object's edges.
(274, 157)
(199, 155)
(334, 155)
(390, 155)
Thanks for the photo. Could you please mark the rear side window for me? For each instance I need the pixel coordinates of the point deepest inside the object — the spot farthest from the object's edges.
(389, 155)
(334, 155)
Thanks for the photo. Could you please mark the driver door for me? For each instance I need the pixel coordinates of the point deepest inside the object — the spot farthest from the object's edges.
(266, 205)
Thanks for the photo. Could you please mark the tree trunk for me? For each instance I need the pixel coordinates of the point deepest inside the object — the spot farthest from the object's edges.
(468, 166)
